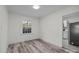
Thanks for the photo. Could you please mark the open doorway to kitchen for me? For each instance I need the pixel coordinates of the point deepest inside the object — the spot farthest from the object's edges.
(71, 32)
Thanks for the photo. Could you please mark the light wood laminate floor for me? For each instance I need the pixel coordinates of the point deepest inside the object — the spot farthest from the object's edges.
(34, 46)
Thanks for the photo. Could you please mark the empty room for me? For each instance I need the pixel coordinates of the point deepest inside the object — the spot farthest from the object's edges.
(39, 28)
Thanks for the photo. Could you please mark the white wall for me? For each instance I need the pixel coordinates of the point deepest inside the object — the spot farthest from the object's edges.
(50, 28)
(51, 25)
(3, 28)
(15, 28)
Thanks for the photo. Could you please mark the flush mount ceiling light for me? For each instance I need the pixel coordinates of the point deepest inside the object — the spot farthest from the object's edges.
(36, 6)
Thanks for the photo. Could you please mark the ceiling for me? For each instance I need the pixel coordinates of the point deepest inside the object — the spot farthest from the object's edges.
(27, 10)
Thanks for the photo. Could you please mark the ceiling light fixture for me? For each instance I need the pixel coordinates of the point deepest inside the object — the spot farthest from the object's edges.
(36, 6)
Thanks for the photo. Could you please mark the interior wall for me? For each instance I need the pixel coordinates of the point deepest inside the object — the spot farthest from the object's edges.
(15, 28)
(3, 28)
(51, 25)
(48, 28)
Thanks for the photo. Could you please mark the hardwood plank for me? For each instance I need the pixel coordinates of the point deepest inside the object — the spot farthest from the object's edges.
(34, 46)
